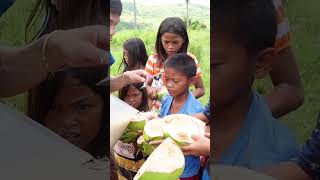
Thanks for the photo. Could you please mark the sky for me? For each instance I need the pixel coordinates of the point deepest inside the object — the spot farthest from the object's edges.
(159, 2)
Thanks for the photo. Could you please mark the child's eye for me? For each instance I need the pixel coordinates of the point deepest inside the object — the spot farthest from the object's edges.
(83, 107)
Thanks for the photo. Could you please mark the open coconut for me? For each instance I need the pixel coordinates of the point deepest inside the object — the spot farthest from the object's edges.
(144, 147)
(136, 124)
(138, 120)
(166, 162)
(154, 130)
(181, 127)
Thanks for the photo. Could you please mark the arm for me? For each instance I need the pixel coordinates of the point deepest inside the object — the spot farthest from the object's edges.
(199, 88)
(23, 68)
(201, 116)
(287, 94)
(286, 171)
(118, 82)
(128, 77)
(201, 146)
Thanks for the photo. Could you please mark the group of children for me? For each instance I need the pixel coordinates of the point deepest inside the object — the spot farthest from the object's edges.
(171, 68)
(246, 134)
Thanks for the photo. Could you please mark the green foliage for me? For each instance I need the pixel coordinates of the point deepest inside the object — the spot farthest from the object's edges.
(195, 24)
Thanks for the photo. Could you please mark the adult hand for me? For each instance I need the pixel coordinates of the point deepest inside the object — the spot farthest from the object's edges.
(135, 76)
(81, 47)
(200, 147)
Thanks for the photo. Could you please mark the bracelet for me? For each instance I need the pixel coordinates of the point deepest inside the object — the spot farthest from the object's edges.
(44, 45)
(123, 76)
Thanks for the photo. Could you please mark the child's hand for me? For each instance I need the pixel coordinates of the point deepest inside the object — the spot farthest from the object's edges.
(152, 93)
(200, 147)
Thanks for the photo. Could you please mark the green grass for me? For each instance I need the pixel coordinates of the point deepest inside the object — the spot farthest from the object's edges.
(199, 45)
(305, 24)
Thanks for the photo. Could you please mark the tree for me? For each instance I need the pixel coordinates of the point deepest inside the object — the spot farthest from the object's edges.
(135, 14)
(187, 2)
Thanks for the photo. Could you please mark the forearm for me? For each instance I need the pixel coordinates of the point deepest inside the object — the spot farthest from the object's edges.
(118, 82)
(287, 94)
(284, 99)
(286, 171)
(201, 116)
(198, 92)
(21, 68)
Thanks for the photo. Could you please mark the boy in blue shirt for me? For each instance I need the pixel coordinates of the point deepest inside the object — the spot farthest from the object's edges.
(179, 73)
(245, 132)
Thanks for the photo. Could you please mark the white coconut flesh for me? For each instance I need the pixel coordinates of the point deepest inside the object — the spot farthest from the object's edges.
(166, 159)
(182, 127)
(143, 116)
(154, 128)
(140, 140)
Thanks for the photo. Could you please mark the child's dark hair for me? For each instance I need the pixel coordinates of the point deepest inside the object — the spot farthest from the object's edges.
(71, 14)
(144, 102)
(182, 63)
(171, 25)
(250, 22)
(137, 55)
(41, 100)
(116, 6)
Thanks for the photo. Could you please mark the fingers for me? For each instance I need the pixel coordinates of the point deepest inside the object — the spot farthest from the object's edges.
(143, 73)
(188, 150)
(207, 134)
(156, 142)
(196, 137)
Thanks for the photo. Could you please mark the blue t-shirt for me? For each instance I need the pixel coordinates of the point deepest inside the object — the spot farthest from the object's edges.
(262, 141)
(5, 5)
(205, 175)
(191, 106)
(111, 59)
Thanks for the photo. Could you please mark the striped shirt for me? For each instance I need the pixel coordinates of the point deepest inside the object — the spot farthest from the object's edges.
(154, 68)
(283, 34)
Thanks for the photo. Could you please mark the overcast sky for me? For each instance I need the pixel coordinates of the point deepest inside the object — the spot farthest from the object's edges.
(158, 2)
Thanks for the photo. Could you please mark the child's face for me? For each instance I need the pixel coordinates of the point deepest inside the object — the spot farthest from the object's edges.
(133, 97)
(231, 70)
(171, 43)
(125, 55)
(114, 20)
(176, 83)
(76, 113)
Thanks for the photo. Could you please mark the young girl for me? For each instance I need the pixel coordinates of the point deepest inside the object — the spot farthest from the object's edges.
(135, 97)
(172, 38)
(71, 105)
(134, 55)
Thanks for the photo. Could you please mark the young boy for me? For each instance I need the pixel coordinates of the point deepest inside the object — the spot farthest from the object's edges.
(245, 132)
(179, 73)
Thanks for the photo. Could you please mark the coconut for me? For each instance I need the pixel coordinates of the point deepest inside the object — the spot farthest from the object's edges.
(181, 127)
(166, 162)
(136, 124)
(144, 147)
(154, 130)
